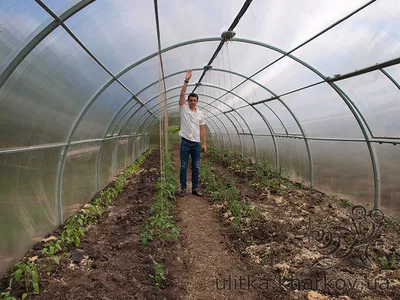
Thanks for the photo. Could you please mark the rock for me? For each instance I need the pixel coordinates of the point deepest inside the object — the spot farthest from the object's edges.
(312, 295)
(77, 255)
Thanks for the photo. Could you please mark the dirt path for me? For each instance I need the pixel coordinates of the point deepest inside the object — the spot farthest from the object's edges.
(210, 261)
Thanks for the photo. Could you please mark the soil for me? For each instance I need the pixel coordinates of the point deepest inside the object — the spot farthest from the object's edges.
(283, 242)
(211, 260)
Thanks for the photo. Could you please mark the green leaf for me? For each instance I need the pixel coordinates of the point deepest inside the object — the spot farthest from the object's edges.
(44, 250)
(35, 276)
(80, 222)
(18, 274)
(24, 295)
(59, 247)
(35, 287)
(56, 259)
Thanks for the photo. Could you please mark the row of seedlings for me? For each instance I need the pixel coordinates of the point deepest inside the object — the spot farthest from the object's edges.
(25, 274)
(160, 225)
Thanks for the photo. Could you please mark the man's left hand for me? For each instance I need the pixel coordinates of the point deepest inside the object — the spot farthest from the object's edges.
(203, 148)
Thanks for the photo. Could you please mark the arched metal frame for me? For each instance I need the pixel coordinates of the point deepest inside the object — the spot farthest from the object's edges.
(142, 122)
(59, 21)
(342, 95)
(245, 122)
(273, 133)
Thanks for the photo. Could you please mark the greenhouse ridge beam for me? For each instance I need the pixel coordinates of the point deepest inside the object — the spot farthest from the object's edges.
(233, 25)
(304, 43)
(220, 70)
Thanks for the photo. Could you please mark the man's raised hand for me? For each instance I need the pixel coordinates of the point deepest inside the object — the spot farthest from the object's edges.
(188, 75)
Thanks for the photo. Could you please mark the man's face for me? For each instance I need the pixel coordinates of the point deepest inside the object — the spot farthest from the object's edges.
(192, 102)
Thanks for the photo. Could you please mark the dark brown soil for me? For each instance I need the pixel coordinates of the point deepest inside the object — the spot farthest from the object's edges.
(281, 242)
(211, 260)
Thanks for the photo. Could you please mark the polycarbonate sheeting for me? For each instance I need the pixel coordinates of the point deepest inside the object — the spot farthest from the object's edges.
(244, 58)
(117, 32)
(214, 93)
(79, 179)
(293, 159)
(217, 107)
(234, 116)
(394, 72)
(285, 76)
(97, 119)
(123, 116)
(44, 96)
(226, 124)
(175, 93)
(58, 6)
(388, 157)
(286, 24)
(177, 80)
(273, 119)
(28, 208)
(248, 145)
(129, 151)
(369, 37)
(252, 92)
(150, 96)
(344, 169)
(20, 20)
(378, 99)
(323, 113)
(122, 153)
(189, 56)
(139, 145)
(133, 120)
(254, 120)
(106, 171)
(218, 77)
(226, 140)
(285, 116)
(265, 150)
(236, 142)
(139, 77)
(186, 20)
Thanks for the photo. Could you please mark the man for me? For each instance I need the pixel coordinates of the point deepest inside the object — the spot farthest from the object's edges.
(191, 131)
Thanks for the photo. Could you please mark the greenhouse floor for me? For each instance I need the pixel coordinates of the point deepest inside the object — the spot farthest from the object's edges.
(270, 257)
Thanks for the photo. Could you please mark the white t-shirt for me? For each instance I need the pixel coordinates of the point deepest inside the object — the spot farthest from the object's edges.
(190, 123)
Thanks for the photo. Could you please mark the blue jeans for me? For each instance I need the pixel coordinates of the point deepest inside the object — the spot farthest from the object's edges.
(192, 149)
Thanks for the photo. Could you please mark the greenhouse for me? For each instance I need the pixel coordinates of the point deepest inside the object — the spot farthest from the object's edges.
(301, 100)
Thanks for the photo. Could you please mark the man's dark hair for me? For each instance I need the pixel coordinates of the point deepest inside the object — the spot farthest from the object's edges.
(193, 95)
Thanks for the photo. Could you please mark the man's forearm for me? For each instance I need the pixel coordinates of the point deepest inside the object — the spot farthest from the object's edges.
(184, 87)
(203, 135)
(183, 92)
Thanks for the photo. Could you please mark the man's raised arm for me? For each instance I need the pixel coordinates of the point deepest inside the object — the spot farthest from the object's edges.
(184, 87)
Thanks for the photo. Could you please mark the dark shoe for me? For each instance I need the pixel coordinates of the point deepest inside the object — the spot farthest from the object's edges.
(197, 193)
(182, 193)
